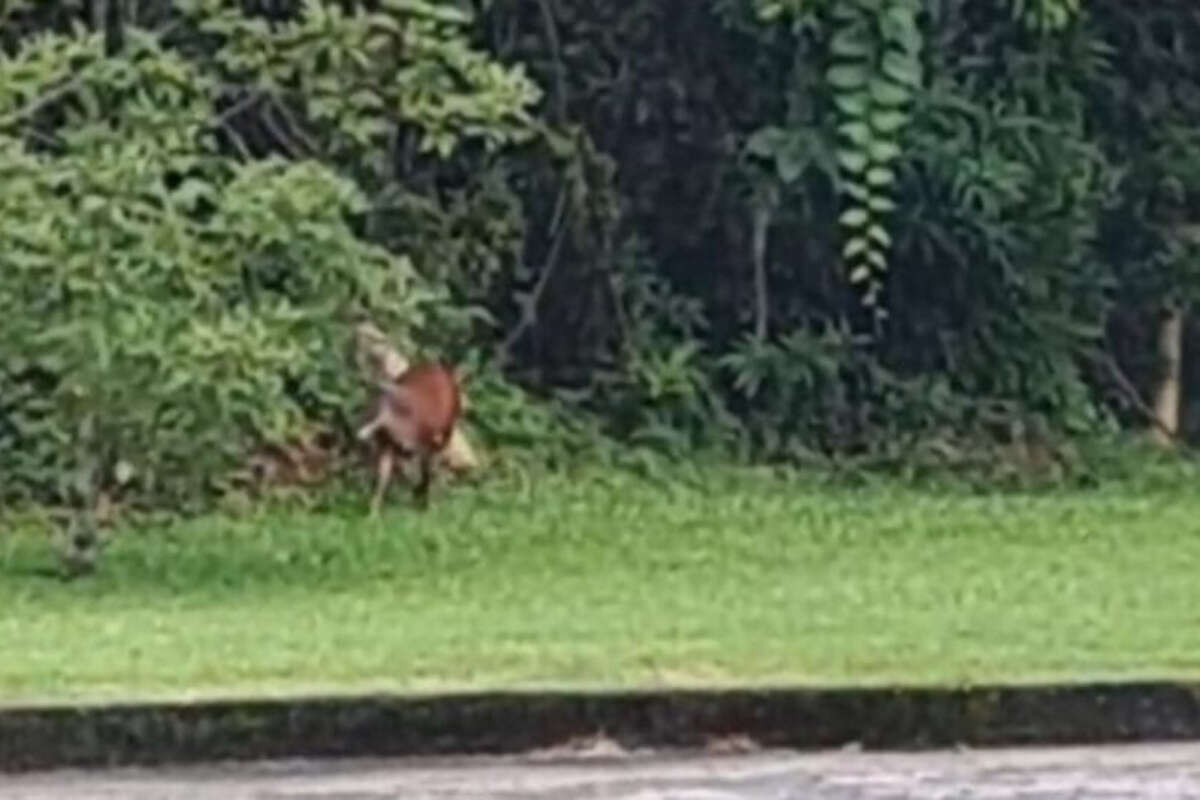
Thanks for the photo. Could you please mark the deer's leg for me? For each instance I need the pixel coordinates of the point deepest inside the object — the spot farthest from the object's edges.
(383, 475)
(368, 430)
(378, 420)
(424, 479)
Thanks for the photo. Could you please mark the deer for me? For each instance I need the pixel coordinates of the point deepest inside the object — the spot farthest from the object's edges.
(414, 416)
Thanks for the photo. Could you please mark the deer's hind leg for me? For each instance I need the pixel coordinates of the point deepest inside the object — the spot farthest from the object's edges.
(384, 465)
(424, 480)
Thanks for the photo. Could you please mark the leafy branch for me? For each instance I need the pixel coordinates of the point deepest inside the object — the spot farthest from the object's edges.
(876, 48)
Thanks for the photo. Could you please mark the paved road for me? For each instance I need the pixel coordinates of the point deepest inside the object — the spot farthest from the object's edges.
(1152, 772)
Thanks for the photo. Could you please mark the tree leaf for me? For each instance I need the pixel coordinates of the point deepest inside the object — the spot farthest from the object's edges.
(881, 237)
(881, 204)
(852, 42)
(855, 246)
(902, 68)
(883, 151)
(880, 176)
(791, 161)
(859, 133)
(854, 217)
(852, 104)
(888, 93)
(860, 274)
(856, 190)
(847, 13)
(886, 122)
(899, 27)
(766, 141)
(852, 161)
(847, 76)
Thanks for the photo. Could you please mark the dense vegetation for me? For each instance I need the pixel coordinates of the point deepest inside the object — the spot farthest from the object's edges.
(893, 230)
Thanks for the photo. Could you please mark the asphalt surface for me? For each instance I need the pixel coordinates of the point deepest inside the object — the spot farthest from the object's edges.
(1160, 772)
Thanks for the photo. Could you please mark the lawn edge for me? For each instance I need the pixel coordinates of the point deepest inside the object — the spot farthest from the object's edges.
(497, 723)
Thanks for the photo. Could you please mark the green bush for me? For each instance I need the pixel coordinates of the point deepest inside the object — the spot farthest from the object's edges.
(169, 299)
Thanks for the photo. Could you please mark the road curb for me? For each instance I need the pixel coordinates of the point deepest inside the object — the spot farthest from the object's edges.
(37, 738)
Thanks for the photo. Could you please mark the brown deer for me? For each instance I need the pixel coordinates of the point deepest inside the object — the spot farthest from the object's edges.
(413, 417)
(380, 362)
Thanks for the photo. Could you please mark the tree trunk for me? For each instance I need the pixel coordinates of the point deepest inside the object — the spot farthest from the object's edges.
(762, 224)
(765, 201)
(1168, 390)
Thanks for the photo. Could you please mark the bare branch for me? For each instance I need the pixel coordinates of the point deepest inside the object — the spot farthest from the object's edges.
(280, 135)
(36, 105)
(238, 107)
(67, 86)
(529, 307)
(224, 119)
(560, 77)
(762, 224)
(1130, 393)
(290, 119)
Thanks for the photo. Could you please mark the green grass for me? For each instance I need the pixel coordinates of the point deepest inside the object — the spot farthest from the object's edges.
(608, 581)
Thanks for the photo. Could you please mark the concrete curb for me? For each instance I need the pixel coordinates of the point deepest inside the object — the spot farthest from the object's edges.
(58, 737)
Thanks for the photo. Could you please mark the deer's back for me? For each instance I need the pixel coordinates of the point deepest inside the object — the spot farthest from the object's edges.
(427, 402)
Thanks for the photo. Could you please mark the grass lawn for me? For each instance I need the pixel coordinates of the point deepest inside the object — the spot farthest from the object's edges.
(609, 581)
